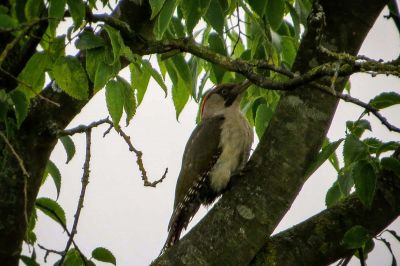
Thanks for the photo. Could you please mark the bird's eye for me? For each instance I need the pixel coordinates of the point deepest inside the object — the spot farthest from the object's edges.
(224, 92)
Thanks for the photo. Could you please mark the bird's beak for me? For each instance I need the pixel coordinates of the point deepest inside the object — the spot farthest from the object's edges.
(241, 87)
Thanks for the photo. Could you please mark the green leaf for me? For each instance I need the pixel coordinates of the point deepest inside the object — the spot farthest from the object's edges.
(355, 237)
(21, 106)
(325, 153)
(387, 146)
(275, 12)
(77, 10)
(71, 77)
(345, 181)
(358, 127)
(33, 74)
(164, 17)
(364, 177)
(215, 16)
(385, 99)
(259, 6)
(289, 50)
(52, 209)
(217, 44)
(192, 11)
(73, 258)
(183, 71)
(117, 43)
(333, 195)
(373, 144)
(88, 40)
(156, 6)
(115, 100)
(7, 22)
(33, 9)
(104, 255)
(180, 96)
(354, 150)
(56, 48)
(156, 76)
(52, 169)
(69, 147)
(104, 73)
(263, 116)
(56, 13)
(391, 164)
(129, 100)
(29, 261)
(140, 80)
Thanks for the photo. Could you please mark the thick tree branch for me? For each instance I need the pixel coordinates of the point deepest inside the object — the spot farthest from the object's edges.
(317, 241)
(239, 224)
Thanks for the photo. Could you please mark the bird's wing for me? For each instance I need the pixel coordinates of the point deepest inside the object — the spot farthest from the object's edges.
(201, 153)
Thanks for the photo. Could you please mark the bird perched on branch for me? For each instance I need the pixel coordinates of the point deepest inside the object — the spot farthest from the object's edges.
(218, 148)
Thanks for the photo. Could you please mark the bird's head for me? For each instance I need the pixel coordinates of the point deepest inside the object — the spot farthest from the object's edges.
(223, 97)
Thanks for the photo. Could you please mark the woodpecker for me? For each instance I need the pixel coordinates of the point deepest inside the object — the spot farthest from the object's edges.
(218, 147)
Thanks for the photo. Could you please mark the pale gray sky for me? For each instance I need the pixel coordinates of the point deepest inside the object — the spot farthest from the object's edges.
(131, 220)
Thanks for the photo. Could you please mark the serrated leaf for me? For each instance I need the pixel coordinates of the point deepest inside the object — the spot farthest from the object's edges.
(33, 74)
(325, 153)
(354, 150)
(373, 144)
(56, 48)
(70, 77)
(73, 258)
(7, 22)
(385, 99)
(140, 80)
(180, 96)
(117, 43)
(192, 11)
(358, 127)
(275, 12)
(333, 195)
(387, 146)
(355, 237)
(364, 177)
(56, 13)
(156, 76)
(104, 255)
(258, 6)
(52, 209)
(54, 172)
(29, 261)
(164, 17)
(183, 71)
(289, 50)
(69, 147)
(129, 100)
(77, 10)
(216, 43)
(346, 182)
(263, 116)
(391, 164)
(215, 16)
(156, 6)
(21, 106)
(104, 73)
(115, 100)
(33, 9)
(93, 57)
(88, 40)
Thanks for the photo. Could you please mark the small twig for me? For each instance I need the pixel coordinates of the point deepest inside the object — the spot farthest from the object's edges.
(48, 251)
(85, 182)
(83, 128)
(139, 160)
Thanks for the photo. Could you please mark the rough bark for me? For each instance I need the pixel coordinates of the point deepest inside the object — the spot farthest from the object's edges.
(239, 224)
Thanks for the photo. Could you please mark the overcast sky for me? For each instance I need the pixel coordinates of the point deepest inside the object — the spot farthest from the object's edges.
(131, 220)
